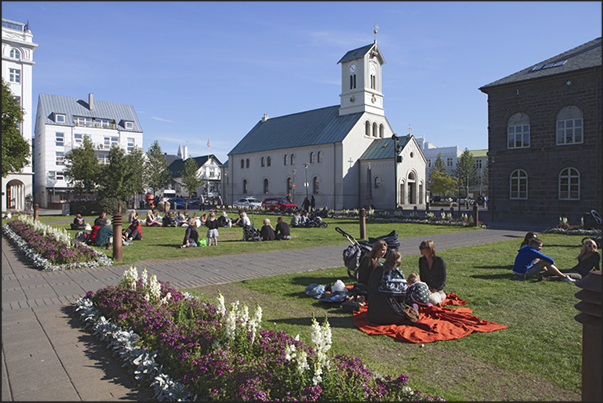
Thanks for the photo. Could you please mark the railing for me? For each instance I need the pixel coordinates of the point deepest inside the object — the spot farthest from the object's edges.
(98, 125)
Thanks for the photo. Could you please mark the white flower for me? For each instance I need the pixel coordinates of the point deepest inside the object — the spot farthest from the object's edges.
(221, 307)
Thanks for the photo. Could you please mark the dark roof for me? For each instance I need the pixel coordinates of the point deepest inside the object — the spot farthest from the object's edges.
(70, 107)
(319, 126)
(383, 148)
(177, 166)
(582, 57)
(360, 52)
(169, 158)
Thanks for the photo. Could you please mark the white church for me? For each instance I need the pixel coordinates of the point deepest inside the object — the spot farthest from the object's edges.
(343, 155)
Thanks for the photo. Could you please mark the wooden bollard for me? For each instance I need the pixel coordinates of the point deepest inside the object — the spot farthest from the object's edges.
(475, 215)
(362, 223)
(117, 240)
(36, 211)
(590, 317)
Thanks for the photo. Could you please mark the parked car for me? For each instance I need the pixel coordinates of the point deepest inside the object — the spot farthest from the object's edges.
(176, 202)
(273, 204)
(194, 203)
(248, 202)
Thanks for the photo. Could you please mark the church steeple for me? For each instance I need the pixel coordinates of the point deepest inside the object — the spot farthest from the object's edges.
(361, 80)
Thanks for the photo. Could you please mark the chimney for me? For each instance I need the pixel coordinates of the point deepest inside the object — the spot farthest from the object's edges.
(90, 101)
(265, 118)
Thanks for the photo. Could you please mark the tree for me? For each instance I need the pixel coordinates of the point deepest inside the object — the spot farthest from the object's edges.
(15, 149)
(439, 164)
(441, 183)
(465, 170)
(82, 167)
(156, 169)
(190, 178)
(122, 177)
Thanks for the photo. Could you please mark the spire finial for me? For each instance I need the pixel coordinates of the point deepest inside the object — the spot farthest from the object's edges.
(409, 128)
(376, 28)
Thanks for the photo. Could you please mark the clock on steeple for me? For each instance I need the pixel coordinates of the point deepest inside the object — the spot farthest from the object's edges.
(361, 81)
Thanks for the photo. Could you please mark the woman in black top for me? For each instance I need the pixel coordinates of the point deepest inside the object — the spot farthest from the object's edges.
(267, 232)
(191, 235)
(370, 261)
(432, 270)
(588, 260)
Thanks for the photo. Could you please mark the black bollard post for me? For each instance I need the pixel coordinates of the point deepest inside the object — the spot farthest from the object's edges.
(362, 223)
(475, 215)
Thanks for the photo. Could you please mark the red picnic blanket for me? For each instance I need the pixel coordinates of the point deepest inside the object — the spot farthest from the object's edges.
(435, 323)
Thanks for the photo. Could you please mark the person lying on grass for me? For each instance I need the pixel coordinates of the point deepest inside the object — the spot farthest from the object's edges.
(588, 260)
(530, 262)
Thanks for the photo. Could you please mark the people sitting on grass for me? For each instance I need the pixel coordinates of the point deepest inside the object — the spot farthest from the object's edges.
(267, 231)
(296, 220)
(100, 219)
(191, 236)
(169, 220)
(78, 223)
(212, 229)
(370, 261)
(527, 238)
(387, 292)
(151, 220)
(530, 262)
(588, 260)
(104, 235)
(91, 237)
(282, 230)
(179, 219)
(417, 293)
(432, 270)
(133, 232)
(133, 216)
(223, 220)
(242, 221)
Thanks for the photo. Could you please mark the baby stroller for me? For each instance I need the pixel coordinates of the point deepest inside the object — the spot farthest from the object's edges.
(251, 234)
(354, 253)
(316, 222)
(592, 220)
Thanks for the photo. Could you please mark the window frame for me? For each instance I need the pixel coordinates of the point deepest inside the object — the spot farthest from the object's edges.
(572, 173)
(59, 158)
(563, 131)
(128, 125)
(315, 185)
(520, 176)
(60, 135)
(15, 53)
(14, 76)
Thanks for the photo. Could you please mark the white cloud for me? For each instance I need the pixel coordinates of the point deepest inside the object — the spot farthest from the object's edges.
(162, 120)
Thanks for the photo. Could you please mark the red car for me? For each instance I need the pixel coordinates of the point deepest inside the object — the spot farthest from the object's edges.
(278, 204)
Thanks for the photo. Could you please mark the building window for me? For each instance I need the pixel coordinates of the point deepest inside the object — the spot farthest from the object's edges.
(14, 75)
(428, 163)
(268, 161)
(518, 131)
(381, 130)
(77, 138)
(319, 157)
(569, 184)
(449, 161)
(285, 159)
(311, 157)
(375, 129)
(242, 164)
(59, 139)
(15, 54)
(518, 185)
(478, 164)
(373, 81)
(59, 118)
(59, 176)
(569, 126)
(101, 123)
(292, 159)
(107, 143)
(244, 186)
(262, 161)
(131, 144)
(352, 81)
(289, 185)
(129, 125)
(266, 188)
(315, 186)
(114, 141)
(103, 158)
(247, 163)
(377, 182)
(60, 158)
(367, 128)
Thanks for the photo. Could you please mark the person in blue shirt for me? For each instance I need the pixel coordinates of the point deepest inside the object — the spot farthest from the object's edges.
(529, 262)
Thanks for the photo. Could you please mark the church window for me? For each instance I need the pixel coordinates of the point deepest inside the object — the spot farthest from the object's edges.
(242, 164)
(381, 130)
(375, 129)
(373, 81)
(569, 126)
(14, 53)
(247, 163)
(569, 184)
(518, 131)
(319, 157)
(315, 185)
(266, 186)
(285, 159)
(245, 186)
(292, 159)
(367, 128)
(268, 161)
(518, 185)
(377, 182)
(262, 163)
(311, 157)
(289, 185)
(352, 81)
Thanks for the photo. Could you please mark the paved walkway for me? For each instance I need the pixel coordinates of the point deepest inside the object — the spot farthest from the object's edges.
(46, 354)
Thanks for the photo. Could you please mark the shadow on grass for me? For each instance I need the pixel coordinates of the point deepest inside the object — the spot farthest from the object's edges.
(506, 267)
(344, 322)
(502, 276)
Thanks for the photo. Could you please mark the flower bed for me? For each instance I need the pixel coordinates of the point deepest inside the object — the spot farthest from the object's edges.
(50, 249)
(221, 353)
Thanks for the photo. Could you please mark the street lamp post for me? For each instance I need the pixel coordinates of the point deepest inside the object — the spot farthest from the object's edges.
(293, 187)
(395, 139)
(306, 183)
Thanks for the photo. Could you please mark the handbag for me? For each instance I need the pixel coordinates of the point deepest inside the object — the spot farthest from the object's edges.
(408, 311)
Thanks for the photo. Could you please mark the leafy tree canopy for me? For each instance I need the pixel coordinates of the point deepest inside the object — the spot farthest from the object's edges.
(466, 170)
(82, 167)
(441, 183)
(156, 169)
(190, 179)
(15, 149)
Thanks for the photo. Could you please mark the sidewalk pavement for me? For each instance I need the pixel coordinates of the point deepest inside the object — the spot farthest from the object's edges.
(46, 353)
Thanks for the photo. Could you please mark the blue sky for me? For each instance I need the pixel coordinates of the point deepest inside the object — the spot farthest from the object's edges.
(210, 70)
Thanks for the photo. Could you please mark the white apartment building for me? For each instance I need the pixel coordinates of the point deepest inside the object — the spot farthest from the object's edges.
(62, 123)
(17, 71)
